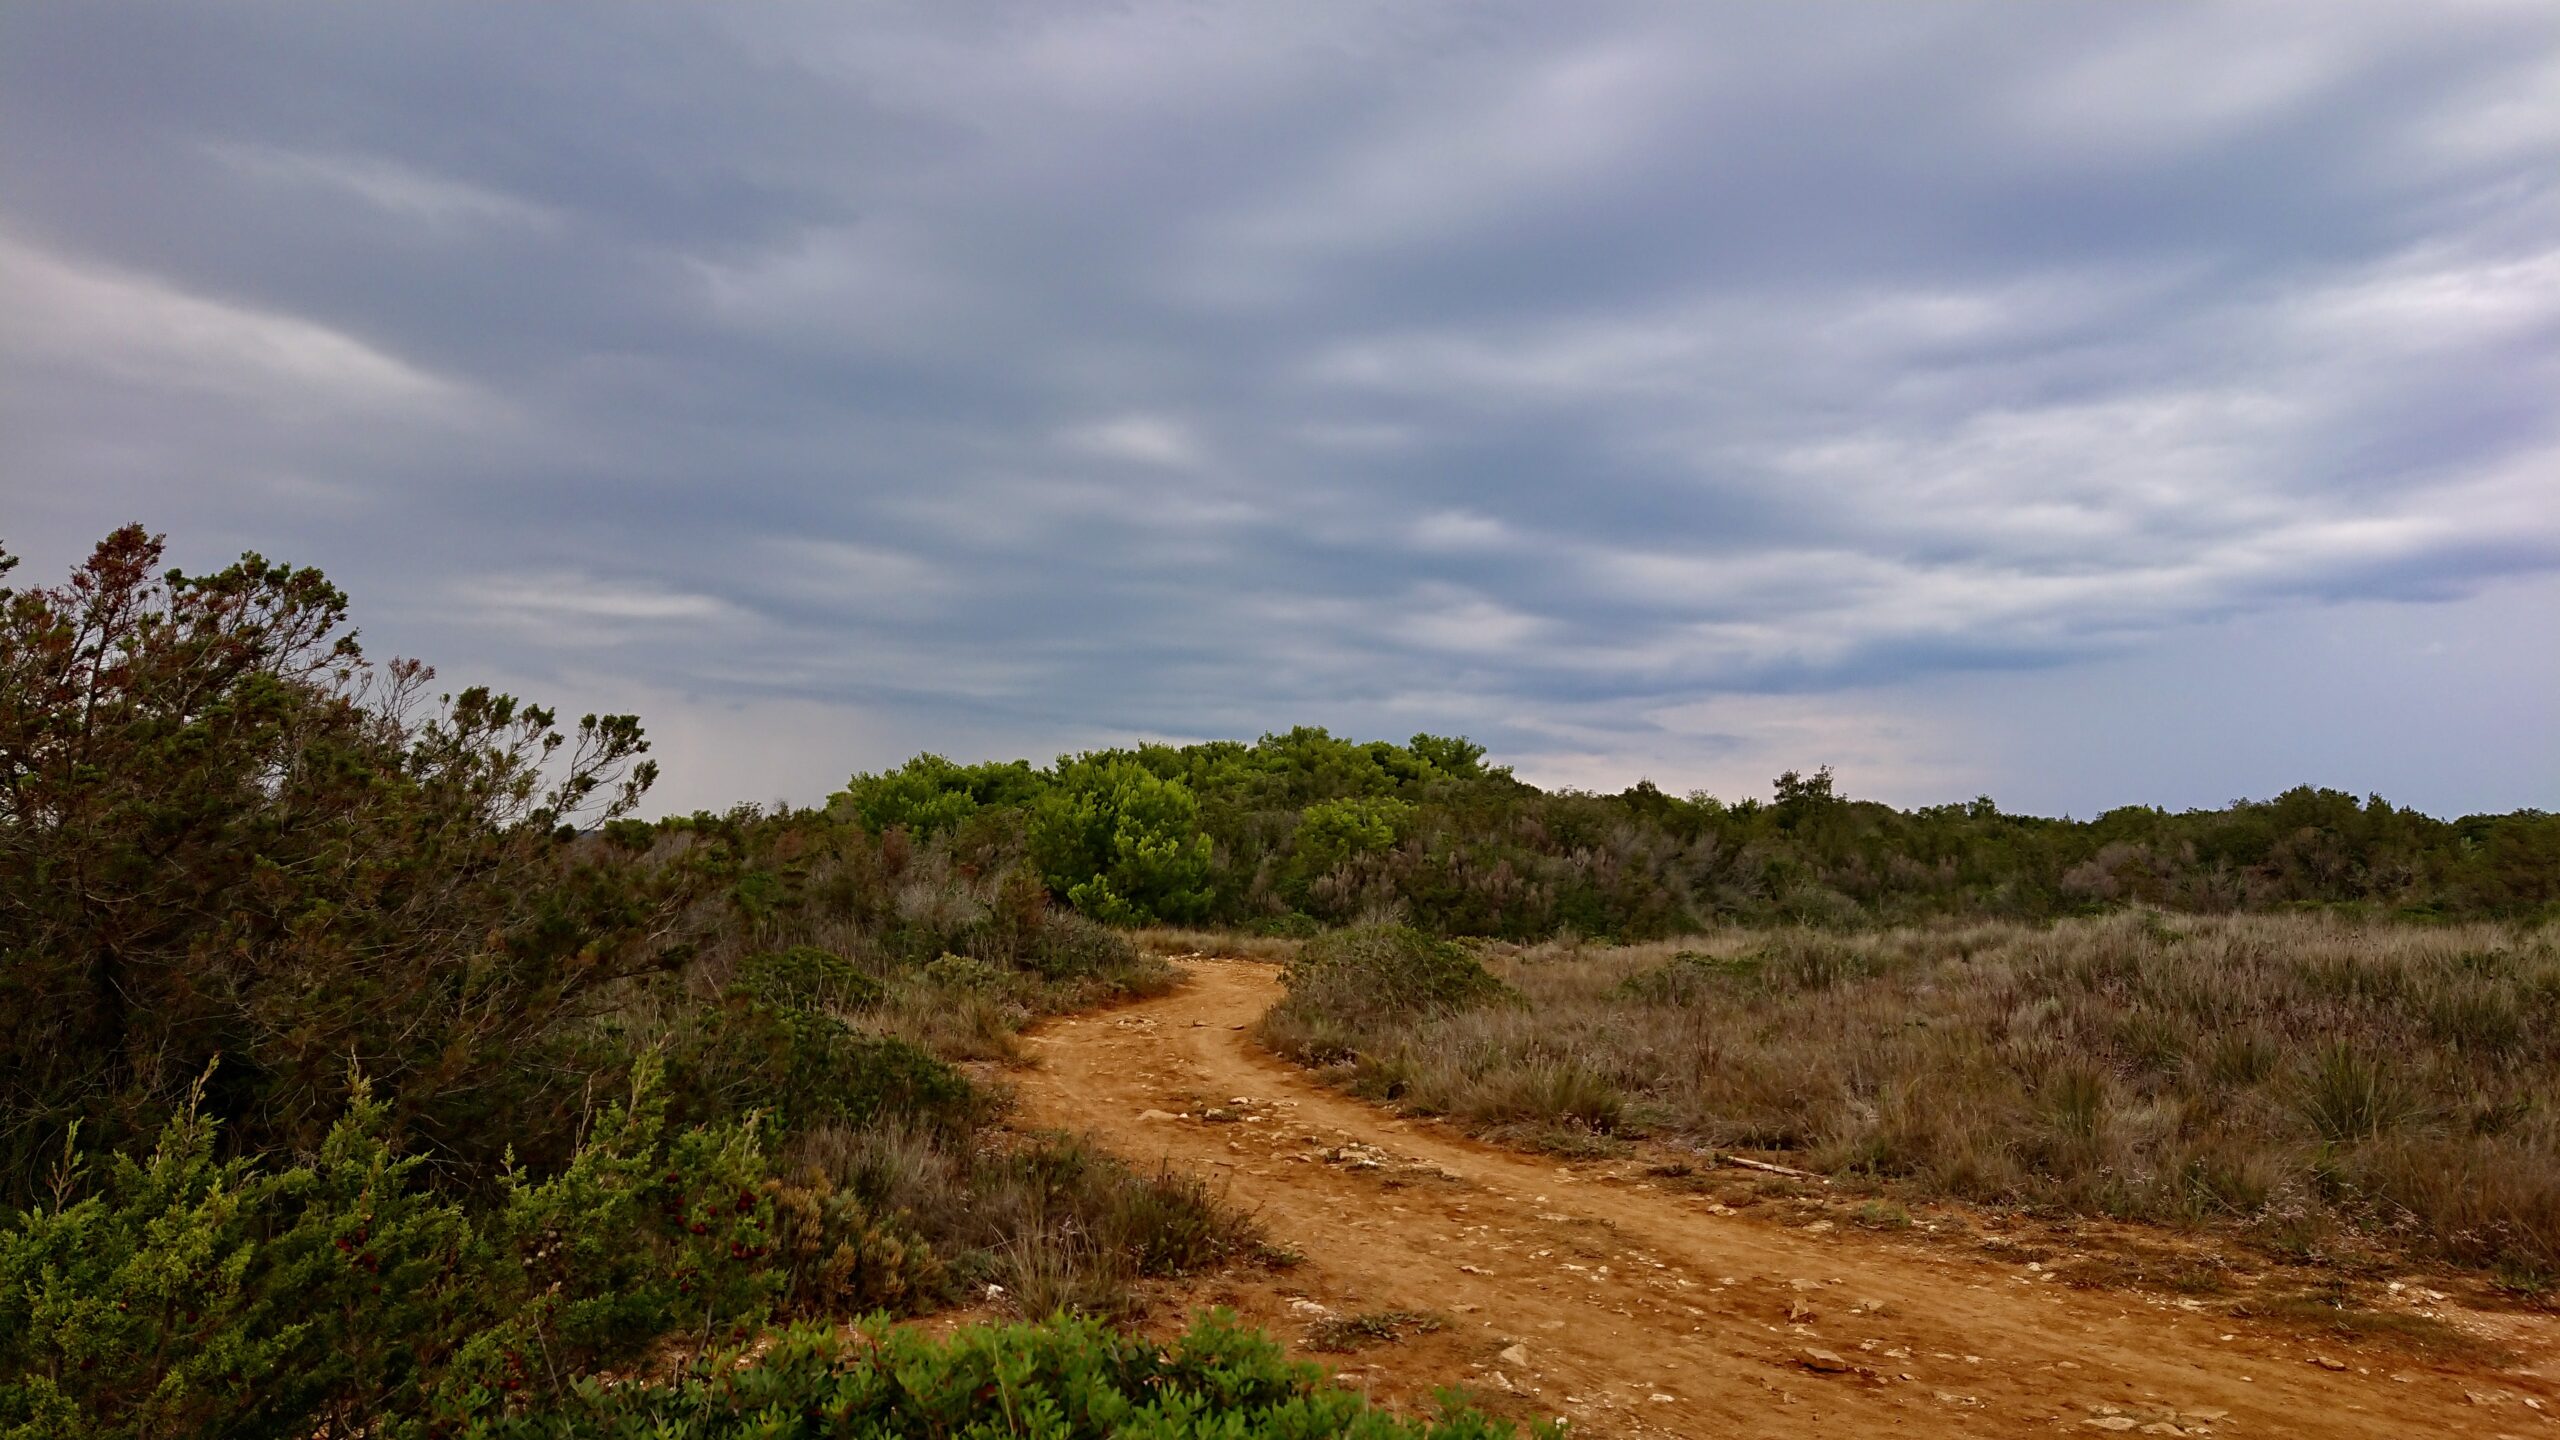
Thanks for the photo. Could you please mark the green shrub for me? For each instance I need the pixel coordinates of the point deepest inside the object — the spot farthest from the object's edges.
(964, 972)
(1071, 947)
(838, 1257)
(193, 1296)
(1388, 970)
(188, 1295)
(1060, 1380)
(929, 793)
(225, 833)
(1121, 843)
(743, 1054)
(807, 977)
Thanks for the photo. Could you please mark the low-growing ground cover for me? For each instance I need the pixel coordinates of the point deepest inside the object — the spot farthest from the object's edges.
(2291, 1076)
(1060, 1380)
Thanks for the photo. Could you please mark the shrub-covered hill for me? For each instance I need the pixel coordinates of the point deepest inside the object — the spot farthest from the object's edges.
(1303, 829)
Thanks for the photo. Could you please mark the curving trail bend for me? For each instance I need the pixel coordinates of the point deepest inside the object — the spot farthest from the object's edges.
(1586, 1291)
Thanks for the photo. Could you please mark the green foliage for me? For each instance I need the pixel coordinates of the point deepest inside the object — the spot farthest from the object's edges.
(1121, 843)
(1333, 832)
(1060, 1380)
(188, 1295)
(222, 833)
(1384, 972)
(1453, 756)
(741, 1053)
(191, 1296)
(806, 977)
(1302, 826)
(930, 794)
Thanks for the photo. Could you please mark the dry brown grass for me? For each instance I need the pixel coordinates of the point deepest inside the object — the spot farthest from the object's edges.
(1057, 1224)
(1174, 941)
(2288, 1075)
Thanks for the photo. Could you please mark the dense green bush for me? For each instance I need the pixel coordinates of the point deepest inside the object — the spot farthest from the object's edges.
(806, 977)
(1060, 1380)
(183, 1294)
(1391, 970)
(740, 1052)
(199, 1297)
(1122, 843)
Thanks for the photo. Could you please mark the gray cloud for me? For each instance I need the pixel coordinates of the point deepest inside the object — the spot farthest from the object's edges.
(1642, 389)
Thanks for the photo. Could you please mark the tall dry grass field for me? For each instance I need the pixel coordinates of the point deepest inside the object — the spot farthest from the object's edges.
(2293, 1075)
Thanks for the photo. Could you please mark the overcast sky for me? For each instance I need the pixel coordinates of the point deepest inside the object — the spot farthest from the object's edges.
(2088, 404)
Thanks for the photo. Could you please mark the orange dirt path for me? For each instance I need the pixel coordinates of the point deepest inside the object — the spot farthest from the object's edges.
(1639, 1311)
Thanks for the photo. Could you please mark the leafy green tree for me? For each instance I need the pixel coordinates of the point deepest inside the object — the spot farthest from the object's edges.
(1331, 833)
(1454, 756)
(929, 794)
(1121, 843)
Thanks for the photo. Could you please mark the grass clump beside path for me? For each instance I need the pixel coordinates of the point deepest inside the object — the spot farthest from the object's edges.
(1345, 984)
(2297, 1077)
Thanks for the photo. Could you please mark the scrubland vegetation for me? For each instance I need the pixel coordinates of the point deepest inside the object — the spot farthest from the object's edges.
(1299, 831)
(367, 1066)
(364, 1068)
(2302, 1079)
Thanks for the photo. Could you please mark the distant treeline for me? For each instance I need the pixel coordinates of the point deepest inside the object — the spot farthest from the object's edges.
(1303, 829)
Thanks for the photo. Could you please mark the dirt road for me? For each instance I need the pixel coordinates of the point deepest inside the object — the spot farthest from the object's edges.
(1588, 1291)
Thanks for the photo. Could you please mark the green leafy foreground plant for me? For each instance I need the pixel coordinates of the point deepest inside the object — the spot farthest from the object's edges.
(193, 1296)
(1061, 1380)
(190, 1295)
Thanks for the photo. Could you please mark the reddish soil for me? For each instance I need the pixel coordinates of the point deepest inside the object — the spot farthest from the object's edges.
(1639, 1309)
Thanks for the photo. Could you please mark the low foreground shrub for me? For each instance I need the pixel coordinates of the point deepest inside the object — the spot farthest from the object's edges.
(1059, 1380)
(188, 1295)
(181, 1294)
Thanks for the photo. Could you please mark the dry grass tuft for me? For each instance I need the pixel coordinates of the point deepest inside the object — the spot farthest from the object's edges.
(1058, 1225)
(1342, 1334)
